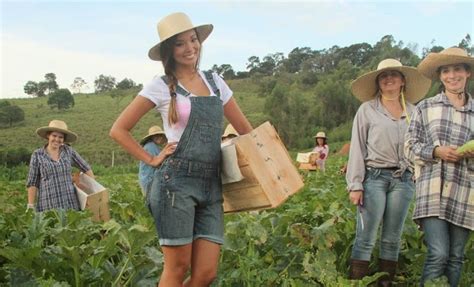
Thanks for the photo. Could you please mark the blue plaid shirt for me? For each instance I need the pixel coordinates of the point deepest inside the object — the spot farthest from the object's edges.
(443, 189)
(54, 178)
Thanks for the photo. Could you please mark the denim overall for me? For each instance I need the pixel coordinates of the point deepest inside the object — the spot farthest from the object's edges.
(185, 198)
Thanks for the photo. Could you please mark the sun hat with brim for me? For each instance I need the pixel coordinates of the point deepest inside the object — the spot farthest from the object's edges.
(174, 24)
(320, 135)
(229, 130)
(153, 131)
(57, 126)
(450, 56)
(364, 87)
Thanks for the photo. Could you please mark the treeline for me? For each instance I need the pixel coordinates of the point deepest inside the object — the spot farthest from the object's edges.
(309, 90)
(62, 98)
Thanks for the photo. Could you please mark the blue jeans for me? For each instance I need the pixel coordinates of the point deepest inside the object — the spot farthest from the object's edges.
(386, 199)
(445, 242)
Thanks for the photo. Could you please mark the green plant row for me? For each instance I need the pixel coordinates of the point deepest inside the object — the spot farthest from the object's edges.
(305, 242)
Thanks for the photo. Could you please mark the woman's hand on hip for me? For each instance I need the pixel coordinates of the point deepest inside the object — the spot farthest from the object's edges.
(165, 152)
(356, 197)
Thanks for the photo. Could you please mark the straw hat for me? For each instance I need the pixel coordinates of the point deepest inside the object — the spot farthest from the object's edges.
(416, 86)
(320, 135)
(154, 130)
(229, 130)
(450, 56)
(57, 126)
(174, 24)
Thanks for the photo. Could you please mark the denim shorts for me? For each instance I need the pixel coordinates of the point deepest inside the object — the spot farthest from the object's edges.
(185, 200)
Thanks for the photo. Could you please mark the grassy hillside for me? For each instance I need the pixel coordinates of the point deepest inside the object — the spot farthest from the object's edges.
(91, 118)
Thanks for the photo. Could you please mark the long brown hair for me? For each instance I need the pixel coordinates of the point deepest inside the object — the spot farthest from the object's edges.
(169, 65)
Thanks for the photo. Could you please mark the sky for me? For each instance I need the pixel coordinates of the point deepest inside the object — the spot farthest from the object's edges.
(88, 38)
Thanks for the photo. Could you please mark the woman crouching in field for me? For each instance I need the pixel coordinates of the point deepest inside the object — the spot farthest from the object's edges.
(185, 198)
(379, 177)
(445, 181)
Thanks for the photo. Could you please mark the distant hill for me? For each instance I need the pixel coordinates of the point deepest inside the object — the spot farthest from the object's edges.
(93, 115)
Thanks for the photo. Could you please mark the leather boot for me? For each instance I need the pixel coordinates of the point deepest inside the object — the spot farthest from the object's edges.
(391, 268)
(359, 269)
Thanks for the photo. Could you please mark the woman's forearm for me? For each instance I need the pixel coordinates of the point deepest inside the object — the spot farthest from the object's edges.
(32, 190)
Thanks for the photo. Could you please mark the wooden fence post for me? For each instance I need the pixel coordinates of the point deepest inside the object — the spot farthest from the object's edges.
(113, 158)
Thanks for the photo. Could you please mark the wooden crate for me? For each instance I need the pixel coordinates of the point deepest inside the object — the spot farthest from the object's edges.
(93, 196)
(307, 161)
(269, 174)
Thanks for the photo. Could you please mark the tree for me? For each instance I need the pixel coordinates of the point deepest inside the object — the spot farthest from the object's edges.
(104, 83)
(296, 57)
(61, 99)
(78, 84)
(253, 64)
(35, 89)
(31, 88)
(224, 70)
(466, 44)
(10, 114)
(50, 82)
(42, 88)
(125, 84)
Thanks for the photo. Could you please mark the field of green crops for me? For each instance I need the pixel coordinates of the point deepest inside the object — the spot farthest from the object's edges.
(305, 242)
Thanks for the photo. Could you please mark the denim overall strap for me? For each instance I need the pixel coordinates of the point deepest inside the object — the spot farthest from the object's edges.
(210, 80)
(179, 89)
(201, 139)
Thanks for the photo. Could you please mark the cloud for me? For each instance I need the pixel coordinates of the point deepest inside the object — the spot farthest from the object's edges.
(24, 60)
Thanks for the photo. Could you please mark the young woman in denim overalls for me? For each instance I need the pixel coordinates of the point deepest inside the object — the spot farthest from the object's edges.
(185, 198)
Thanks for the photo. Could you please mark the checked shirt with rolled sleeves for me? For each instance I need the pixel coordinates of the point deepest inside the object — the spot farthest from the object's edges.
(444, 190)
(53, 178)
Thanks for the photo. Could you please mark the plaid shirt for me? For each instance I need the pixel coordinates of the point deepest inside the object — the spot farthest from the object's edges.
(443, 189)
(53, 178)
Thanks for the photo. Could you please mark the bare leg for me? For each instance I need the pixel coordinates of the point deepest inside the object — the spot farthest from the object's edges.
(177, 261)
(204, 262)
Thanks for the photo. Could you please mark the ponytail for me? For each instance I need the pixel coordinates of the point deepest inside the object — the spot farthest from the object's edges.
(166, 52)
(172, 110)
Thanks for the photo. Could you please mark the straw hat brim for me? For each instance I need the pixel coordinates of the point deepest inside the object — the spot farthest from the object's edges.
(364, 87)
(430, 65)
(203, 31)
(69, 136)
(146, 138)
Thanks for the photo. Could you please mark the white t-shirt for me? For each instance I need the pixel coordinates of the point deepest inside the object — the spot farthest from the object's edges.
(158, 92)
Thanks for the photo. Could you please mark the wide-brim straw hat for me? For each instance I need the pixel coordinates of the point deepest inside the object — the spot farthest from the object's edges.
(364, 87)
(320, 135)
(153, 131)
(174, 24)
(57, 126)
(450, 56)
(229, 130)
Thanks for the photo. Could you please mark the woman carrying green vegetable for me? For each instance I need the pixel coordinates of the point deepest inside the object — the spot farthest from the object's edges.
(445, 178)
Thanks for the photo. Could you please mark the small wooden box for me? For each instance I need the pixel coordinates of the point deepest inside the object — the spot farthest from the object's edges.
(269, 174)
(93, 196)
(307, 161)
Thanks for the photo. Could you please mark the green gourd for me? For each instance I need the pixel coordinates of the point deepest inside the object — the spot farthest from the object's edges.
(467, 147)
